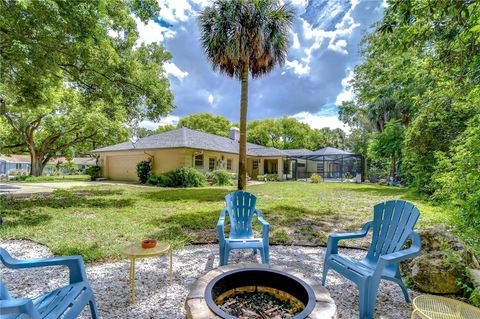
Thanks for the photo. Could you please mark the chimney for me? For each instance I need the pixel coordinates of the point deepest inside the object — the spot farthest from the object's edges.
(234, 133)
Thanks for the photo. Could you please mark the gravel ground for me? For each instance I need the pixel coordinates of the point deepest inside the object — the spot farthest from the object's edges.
(156, 299)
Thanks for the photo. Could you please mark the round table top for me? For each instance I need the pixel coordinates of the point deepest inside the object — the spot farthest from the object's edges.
(136, 250)
(436, 307)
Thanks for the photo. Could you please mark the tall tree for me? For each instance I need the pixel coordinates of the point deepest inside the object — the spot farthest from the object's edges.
(206, 122)
(71, 73)
(243, 38)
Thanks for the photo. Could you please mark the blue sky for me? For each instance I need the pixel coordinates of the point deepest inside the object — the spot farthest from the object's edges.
(324, 45)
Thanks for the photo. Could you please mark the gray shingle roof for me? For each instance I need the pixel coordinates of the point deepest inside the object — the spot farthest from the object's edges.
(331, 151)
(188, 138)
(297, 152)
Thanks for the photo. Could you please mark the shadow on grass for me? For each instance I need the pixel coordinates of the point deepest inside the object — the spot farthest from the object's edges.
(190, 194)
(189, 226)
(14, 219)
(98, 192)
(67, 202)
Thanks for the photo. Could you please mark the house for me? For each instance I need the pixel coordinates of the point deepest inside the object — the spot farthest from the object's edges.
(19, 164)
(185, 147)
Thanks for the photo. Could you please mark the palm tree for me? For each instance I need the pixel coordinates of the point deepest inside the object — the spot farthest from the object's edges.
(242, 38)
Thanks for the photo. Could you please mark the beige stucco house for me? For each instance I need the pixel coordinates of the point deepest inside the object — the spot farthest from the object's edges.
(185, 147)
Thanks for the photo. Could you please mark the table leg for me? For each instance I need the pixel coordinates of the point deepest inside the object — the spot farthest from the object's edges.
(171, 266)
(414, 314)
(132, 278)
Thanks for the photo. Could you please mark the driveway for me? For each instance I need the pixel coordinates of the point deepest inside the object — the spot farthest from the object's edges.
(46, 187)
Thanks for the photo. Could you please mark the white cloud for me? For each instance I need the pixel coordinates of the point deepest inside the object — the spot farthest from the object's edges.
(339, 46)
(300, 3)
(174, 11)
(296, 42)
(319, 121)
(168, 120)
(174, 70)
(152, 32)
(347, 92)
(297, 67)
(210, 99)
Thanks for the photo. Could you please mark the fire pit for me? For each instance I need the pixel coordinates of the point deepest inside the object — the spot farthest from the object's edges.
(258, 291)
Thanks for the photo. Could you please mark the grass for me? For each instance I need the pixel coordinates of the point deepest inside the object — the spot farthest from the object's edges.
(96, 222)
(52, 178)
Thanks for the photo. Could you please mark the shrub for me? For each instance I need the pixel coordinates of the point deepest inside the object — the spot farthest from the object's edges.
(94, 172)
(185, 177)
(220, 177)
(261, 178)
(272, 177)
(315, 178)
(152, 180)
(144, 170)
(163, 180)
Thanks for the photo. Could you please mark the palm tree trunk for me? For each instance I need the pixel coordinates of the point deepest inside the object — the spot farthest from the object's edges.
(242, 161)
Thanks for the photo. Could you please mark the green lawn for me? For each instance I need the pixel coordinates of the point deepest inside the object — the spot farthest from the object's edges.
(97, 221)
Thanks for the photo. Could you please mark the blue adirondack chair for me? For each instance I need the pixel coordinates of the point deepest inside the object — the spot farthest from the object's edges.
(65, 302)
(241, 209)
(392, 225)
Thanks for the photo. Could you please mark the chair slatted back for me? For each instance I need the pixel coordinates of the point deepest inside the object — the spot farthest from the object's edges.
(392, 224)
(241, 208)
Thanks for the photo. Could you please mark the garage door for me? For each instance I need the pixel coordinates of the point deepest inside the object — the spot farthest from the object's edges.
(123, 167)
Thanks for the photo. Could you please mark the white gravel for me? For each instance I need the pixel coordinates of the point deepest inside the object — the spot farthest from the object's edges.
(156, 299)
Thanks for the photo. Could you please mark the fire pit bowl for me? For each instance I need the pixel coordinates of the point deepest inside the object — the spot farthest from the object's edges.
(227, 282)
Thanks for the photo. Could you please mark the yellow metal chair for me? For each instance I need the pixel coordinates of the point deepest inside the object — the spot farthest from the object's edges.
(436, 307)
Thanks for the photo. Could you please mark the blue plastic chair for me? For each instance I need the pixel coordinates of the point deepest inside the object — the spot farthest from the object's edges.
(241, 209)
(392, 227)
(65, 302)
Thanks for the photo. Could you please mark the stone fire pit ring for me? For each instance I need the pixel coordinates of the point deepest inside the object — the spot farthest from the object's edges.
(197, 308)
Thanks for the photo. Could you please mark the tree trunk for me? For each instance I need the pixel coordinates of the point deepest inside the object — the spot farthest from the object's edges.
(393, 167)
(242, 160)
(37, 164)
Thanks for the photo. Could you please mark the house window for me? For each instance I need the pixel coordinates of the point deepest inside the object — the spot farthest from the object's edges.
(301, 165)
(211, 163)
(18, 166)
(255, 164)
(229, 164)
(199, 161)
(320, 167)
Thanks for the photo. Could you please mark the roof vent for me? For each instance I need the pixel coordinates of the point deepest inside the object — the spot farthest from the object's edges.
(234, 133)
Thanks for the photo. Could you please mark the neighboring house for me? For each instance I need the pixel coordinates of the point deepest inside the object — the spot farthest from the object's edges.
(185, 147)
(15, 163)
(19, 163)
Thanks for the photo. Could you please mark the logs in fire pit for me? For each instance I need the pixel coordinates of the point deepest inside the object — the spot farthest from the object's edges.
(256, 291)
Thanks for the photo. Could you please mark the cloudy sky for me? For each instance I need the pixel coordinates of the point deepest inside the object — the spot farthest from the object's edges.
(324, 45)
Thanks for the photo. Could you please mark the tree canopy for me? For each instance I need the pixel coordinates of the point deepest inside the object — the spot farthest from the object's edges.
(72, 73)
(421, 70)
(206, 122)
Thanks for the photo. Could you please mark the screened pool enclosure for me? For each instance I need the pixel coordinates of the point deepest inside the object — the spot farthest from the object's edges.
(330, 163)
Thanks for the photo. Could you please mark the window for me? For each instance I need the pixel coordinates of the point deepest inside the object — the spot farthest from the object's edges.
(198, 161)
(18, 166)
(301, 165)
(320, 167)
(211, 163)
(229, 164)
(255, 164)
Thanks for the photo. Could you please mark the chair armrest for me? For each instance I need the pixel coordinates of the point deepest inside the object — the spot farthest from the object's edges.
(18, 306)
(333, 239)
(264, 223)
(74, 263)
(404, 254)
(221, 225)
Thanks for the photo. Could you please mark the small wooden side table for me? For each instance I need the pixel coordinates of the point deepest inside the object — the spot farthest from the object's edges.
(136, 251)
(436, 307)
